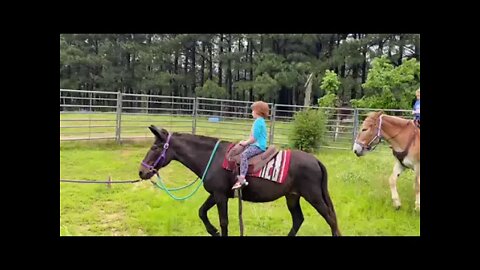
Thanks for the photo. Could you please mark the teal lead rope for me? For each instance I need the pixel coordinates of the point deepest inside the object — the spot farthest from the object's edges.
(162, 186)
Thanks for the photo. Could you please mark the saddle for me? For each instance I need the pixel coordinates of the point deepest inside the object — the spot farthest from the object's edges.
(255, 163)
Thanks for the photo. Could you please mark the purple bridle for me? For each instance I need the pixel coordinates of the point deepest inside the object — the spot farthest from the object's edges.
(161, 159)
(377, 136)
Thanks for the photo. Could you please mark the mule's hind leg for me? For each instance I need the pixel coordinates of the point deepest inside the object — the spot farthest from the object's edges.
(417, 187)
(397, 170)
(293, 203)
(316, 200)
(202, 212)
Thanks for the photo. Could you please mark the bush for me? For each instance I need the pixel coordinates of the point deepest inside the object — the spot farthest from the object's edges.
(211, 89)
(308, 129)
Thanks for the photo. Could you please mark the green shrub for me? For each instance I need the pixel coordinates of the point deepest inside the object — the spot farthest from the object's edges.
(308, 130)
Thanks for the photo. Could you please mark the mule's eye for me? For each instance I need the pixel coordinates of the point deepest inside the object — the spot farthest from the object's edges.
(364, 129)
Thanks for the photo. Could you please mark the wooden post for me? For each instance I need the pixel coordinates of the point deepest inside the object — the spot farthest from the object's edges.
(109, 184)
(308, 91)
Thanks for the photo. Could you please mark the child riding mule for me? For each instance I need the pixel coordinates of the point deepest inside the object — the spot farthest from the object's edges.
(306, 177)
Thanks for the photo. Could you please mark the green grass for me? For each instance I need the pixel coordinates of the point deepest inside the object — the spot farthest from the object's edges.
(358, 187)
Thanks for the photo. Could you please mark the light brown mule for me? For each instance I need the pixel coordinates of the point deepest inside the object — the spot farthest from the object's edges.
(404, 139)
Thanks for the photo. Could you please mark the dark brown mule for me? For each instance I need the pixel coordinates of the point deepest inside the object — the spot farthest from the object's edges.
(404, 139)
(306, 178)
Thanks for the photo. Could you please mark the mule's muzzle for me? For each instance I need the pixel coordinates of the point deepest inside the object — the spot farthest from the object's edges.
(358, 149)
(146, 173)
(358, 154)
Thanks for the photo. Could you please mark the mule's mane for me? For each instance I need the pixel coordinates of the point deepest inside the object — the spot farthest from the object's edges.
(397, 120)
(373, 116)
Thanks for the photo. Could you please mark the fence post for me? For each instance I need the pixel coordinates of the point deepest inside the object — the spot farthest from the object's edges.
(90, 108)
(119, 118)
(221, 108)
(194, 115)
(246, 110)
(355, 125)
(148, 102)
(272, 124)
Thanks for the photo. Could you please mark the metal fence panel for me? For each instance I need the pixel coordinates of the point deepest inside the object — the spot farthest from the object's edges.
(90, 115)
(140, 111)
(87, 115)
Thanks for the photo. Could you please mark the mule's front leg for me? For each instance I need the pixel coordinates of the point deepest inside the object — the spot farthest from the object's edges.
(202, 212)
(222, 205)
(397, 170)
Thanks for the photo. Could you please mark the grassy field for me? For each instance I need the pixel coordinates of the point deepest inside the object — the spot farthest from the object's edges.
(358, 187)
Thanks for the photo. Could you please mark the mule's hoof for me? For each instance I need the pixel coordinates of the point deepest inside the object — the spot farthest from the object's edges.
(397, 207)
(417, 208)
(214, 233)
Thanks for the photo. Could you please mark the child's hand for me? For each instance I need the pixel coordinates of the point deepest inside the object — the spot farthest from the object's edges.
(243, 143)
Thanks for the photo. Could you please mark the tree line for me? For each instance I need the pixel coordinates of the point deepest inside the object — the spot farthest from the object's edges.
(372, 69)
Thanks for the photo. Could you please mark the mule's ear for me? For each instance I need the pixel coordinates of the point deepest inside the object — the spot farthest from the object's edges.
(155, 131)
(161, 134)
(380, 112)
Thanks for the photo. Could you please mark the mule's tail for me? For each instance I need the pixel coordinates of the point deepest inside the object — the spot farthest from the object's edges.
(325, 194)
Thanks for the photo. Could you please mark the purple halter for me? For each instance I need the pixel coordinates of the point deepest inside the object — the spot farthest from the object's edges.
(161, 159)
